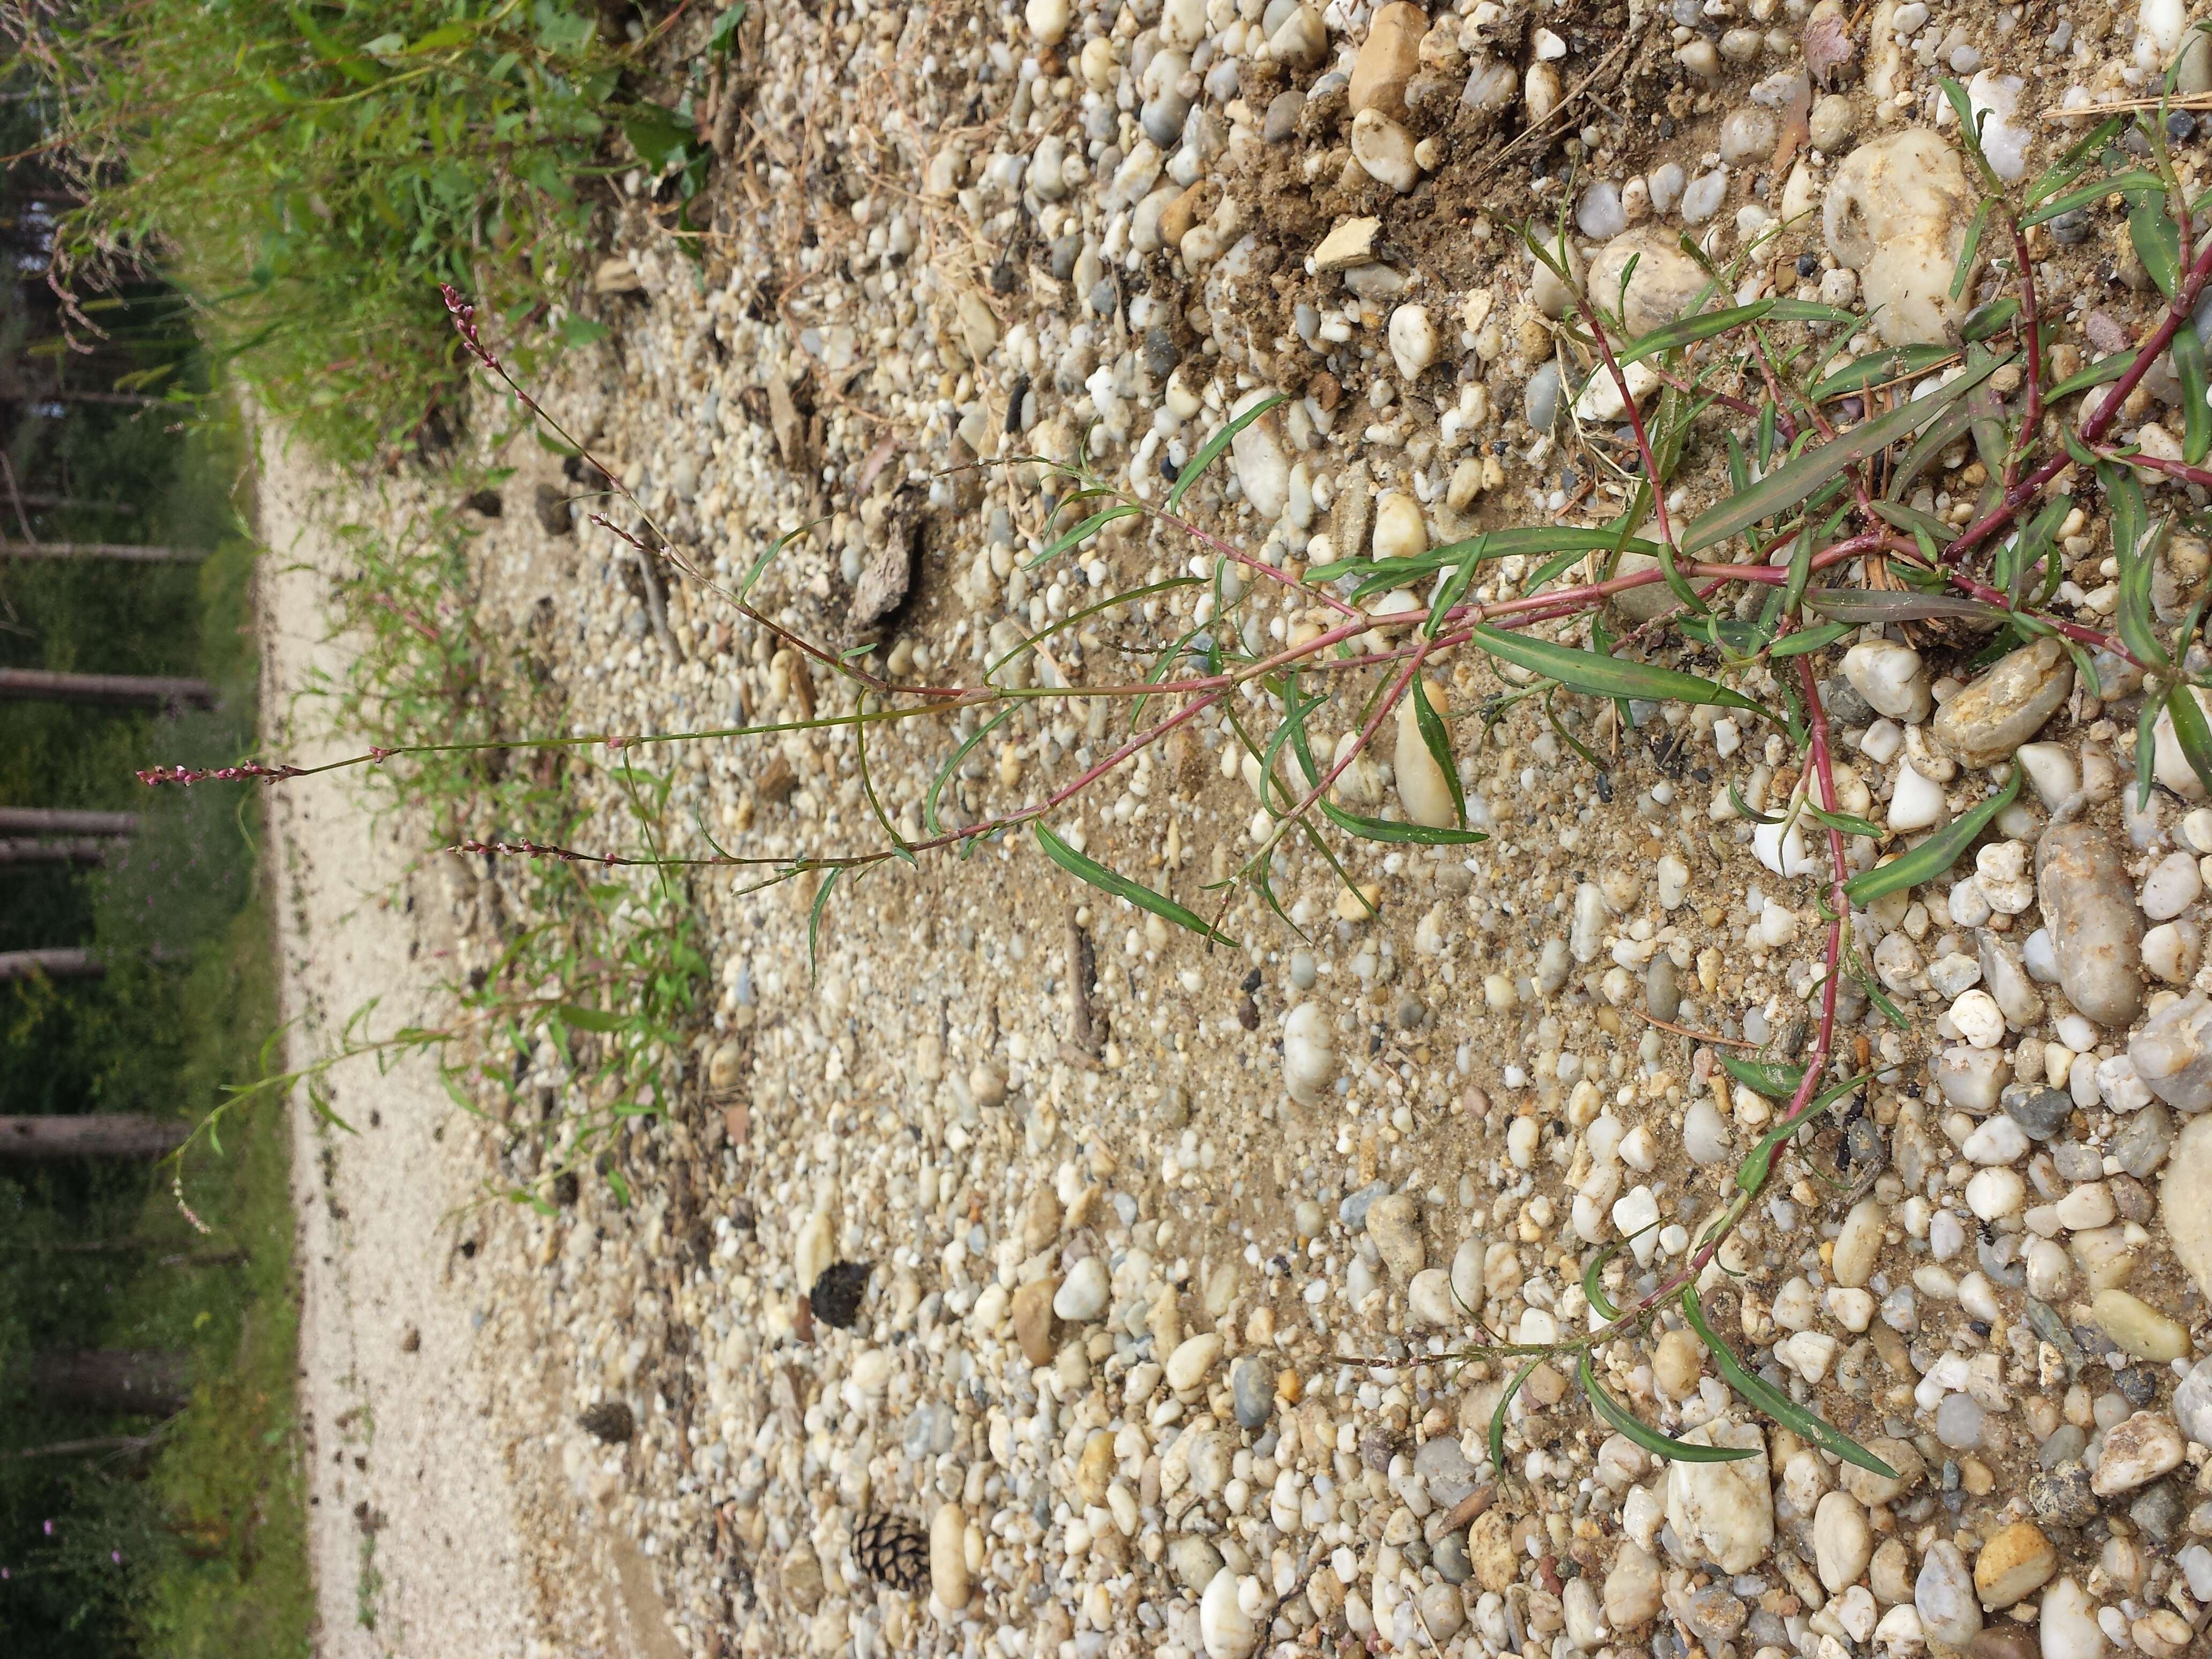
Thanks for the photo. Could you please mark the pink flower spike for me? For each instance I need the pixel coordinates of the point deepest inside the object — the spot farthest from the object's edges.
(464, 324)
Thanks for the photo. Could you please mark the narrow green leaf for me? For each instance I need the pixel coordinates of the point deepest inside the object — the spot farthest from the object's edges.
(2157, 242)
(2068, 166)
(1879, 368)
(1801, 573)
(1435, 737)
(1593, 1292)
(945, 772)
(1764, 1396)
(1082, 531)
(2146, 752)
(1089, 869)
(1744, 808)
(1751, 1174)
(1498, 1417)
(2038, 545)
(760, 565)
(1524, 539)
(1970, 249)
(1452, 589)
(814, 922)
(1850, 823)
(1810, 639)
(589, 1019)
(2134, 184)
(1210, 451)
(2195, 415)
(1795, 481)
(2123, 496)
(1607, 677)
(1984, 321)
(1863, 605)
(1659, 1445)
(1933, 856)
(2191, 730)
(1407, 835)
(1925, 450)
(2103, 372)
(1690, 330)
(1764, 1077)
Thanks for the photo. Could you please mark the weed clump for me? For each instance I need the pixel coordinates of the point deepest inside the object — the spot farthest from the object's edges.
(1813, 537)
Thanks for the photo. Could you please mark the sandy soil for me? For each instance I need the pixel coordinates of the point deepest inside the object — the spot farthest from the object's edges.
(420, 1425)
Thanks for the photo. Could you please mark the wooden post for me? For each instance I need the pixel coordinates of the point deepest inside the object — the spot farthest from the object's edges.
(65, 963)
(113, 1382)
(129, 552)
(111, 690)
(45, 1137)
(80, 849)
(64, 821)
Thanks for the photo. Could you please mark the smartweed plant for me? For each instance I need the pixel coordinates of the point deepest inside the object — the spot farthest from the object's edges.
(1809, 460)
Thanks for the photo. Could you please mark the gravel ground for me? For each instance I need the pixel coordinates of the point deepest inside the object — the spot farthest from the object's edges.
(1123, 1198)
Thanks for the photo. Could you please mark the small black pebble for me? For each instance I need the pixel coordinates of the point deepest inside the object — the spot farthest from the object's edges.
(609, 1421)
(565, 1189)
(1808, 266)
(836, 1297)
(2179, 125)
(1251, 982)
(1167, 468)
(486, 501)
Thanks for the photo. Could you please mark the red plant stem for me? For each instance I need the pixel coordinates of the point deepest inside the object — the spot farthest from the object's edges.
(1635, 416)
(2187, 474)
(2092, 429)
(1230, 550)
(2176, 312)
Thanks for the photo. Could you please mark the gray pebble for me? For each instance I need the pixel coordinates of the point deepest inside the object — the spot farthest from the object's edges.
(2143, 1139)
(1442, 1464)
(2041, 1112)
(1064, 252)
(2064, 1446)
(1254, 1392)
(1959, 1423)
(1352, 1213)
(2158, 1512)
(1662, 996)
(1845, 706)
(1283, 111)
(1161, 352)
(2076, 1161)
(1451, 1563)
(1163, 117)
(2138, 1385)
(1540, 403)
(2070, 228)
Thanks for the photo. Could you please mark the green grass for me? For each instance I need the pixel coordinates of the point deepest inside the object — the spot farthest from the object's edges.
(229, 1481)
(210, 1528)
(308, 174)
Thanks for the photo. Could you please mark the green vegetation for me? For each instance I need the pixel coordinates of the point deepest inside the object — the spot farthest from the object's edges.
(308, 174)
(192, 1543)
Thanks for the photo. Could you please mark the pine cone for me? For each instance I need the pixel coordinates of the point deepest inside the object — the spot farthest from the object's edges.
(893, 1550)
(610, 1420)
(837, 1295)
